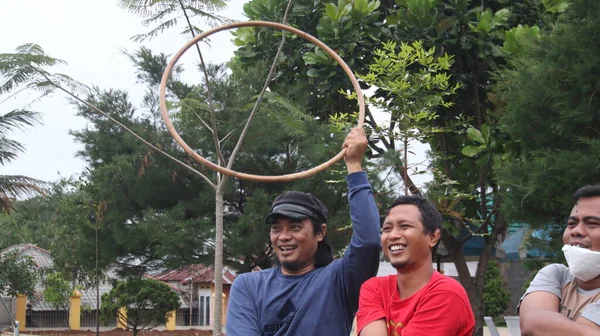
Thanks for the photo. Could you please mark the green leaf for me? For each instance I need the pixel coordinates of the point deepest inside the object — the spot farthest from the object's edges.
(471, 151)
(314, 73)
(475, 135)
(361, 6)
(330, 11)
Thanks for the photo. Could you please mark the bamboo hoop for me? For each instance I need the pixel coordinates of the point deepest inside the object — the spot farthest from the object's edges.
(252, 177)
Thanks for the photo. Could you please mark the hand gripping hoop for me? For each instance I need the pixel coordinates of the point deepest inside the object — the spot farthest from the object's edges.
(251, 177)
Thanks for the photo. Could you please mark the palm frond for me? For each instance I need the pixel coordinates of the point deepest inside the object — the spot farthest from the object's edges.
(20, 67)
(9, 150)
(156, 31)
(273, 98)
(18, 119)
(146, 8)
(211, 5)
(17, 186)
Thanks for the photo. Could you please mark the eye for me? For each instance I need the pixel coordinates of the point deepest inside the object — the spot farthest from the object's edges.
(405, 226)
(571, 223)
(275, 228)
(386, 229)
(296, 227)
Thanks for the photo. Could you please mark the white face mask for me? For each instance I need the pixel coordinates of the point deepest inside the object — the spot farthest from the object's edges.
(583, 263)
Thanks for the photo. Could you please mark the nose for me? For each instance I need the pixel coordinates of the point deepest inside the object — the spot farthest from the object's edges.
(395, 234)
(579, 230)
(285, 234)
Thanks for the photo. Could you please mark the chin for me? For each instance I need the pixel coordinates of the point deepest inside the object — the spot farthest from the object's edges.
(399, 264)
(291, 265)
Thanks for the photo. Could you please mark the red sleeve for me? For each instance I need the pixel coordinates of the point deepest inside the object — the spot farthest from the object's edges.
(370, 303)
(443, 311)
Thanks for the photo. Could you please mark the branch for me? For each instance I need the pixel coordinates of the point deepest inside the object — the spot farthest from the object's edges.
(204, 122)
(208, 90)
(206, 179)
(262, 92)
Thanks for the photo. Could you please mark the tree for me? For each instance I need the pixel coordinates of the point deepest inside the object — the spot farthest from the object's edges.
(148, 303)
(551, 88)
(20, 72)
(17, 274)
(15, 186)
(58, 290)
(478, 35)
(495, 296)
(167, 13)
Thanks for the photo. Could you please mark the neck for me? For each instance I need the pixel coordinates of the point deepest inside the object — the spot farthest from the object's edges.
(411, 282)
(588, 285)
(297, 271)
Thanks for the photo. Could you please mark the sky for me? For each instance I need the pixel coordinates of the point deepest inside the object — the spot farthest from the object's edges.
(90, 37)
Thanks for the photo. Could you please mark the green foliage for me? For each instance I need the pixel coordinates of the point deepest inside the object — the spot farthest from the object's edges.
(57, 290)
(17, 274)
(495, 296)
(148, 303)
(168, 13)
(415, 84)
(552, 89)
(518, 38)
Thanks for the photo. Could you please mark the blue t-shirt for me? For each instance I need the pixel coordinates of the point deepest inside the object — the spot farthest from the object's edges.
(320, 302)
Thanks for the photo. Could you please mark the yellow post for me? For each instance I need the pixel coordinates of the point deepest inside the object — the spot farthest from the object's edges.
(21, 309)
(171, 317)
(75, 310)
(122, 318)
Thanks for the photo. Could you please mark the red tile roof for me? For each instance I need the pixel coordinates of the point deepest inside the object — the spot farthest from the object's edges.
(197, 273)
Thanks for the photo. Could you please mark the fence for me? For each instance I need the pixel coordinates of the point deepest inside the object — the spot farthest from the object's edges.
(46, 318)
(88, 320)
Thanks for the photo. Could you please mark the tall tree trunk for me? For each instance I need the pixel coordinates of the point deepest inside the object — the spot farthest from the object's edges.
(97, 288)
(218, 311)
(458, 258)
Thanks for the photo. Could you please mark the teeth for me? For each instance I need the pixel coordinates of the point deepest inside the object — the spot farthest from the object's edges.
(287, 248)
(578, 245)
(397, 247)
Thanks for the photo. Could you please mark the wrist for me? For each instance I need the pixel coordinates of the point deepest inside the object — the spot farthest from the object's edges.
(353, 167)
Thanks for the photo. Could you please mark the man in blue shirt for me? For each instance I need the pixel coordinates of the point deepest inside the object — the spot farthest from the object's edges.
(307, 292)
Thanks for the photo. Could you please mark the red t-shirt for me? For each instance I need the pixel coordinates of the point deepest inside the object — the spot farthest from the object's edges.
(441, 308)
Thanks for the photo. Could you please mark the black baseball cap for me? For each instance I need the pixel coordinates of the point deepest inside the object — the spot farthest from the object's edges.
(297, 205)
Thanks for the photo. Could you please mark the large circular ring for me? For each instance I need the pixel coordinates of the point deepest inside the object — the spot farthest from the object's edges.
(251, 177)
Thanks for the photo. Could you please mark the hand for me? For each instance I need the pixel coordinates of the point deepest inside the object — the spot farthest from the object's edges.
(356, 145)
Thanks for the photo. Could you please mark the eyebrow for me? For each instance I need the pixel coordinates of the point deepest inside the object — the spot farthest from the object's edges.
(399, 223)
(586, 218)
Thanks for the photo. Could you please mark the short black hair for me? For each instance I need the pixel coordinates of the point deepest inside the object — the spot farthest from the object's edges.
(430, 216)
(587, 192)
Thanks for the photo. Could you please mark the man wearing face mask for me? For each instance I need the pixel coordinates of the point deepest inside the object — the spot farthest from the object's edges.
(566, 300)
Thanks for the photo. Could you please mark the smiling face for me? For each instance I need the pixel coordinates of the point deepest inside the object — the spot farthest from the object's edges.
(404, 240)
(583, 225)
(295, 244)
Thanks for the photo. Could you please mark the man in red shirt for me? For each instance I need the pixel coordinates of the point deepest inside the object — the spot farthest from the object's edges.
(417, 300)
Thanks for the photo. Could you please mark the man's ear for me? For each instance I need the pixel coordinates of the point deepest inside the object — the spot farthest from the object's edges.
(321, 234)
(434, 238)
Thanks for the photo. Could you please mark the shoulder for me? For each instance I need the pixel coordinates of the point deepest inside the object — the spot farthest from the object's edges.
(253, 277)
(554, 273)
(380, 283)
(449, 287)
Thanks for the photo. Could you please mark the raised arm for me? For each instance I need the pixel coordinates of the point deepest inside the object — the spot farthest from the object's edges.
(361, 259)
(242, 315)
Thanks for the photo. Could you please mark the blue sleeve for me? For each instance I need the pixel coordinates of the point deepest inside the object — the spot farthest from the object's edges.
(242, 316)
(361, 259)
